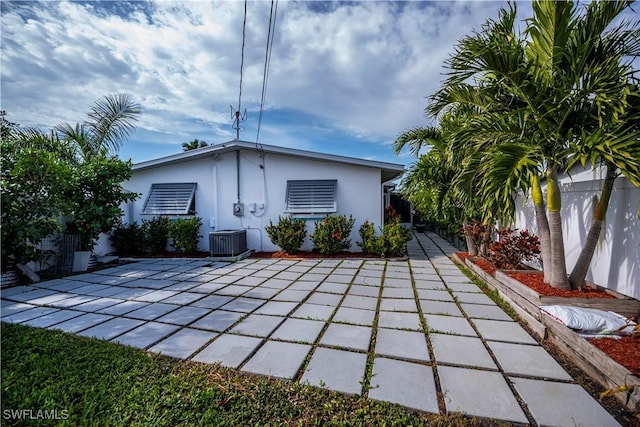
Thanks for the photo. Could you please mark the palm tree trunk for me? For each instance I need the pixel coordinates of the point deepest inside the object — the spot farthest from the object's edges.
(471, 245)
(579, 272)
(486, 240)
(554, 202)
(543, 226)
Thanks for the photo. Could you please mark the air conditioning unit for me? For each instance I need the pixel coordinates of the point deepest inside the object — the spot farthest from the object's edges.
(227, 242)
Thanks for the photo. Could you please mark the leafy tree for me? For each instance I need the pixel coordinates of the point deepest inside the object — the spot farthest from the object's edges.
(192, 145)
(539, 98)
(34, 180)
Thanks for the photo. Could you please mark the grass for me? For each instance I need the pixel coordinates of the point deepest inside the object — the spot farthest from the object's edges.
(99, 383)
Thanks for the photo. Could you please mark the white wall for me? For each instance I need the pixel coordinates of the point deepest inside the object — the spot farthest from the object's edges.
(616, 261)
(359, 192)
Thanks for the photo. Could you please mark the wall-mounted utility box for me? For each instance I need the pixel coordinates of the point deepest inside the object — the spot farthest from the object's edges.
(238, 209)
(228, 242)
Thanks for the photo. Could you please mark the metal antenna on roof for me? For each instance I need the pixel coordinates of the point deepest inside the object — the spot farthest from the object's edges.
(237, 119)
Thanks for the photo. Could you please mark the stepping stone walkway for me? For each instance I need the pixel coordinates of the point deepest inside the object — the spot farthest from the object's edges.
(415, 332)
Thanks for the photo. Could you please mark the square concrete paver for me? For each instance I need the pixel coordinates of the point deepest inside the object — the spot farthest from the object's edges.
(257, 325)
(261, 293)
(561, 404)
(152, 311)
(337, 370)
(183, 343)
(402, 344)
(473, 298)
(80, 323)
(29, 314)
(354, 316)
(123, 308)
(228, 350)
(10, 307)
(397, 304)
(503, 331)
(278, 359)
(243, 305)
(292, 295)
(440, 307)
(145, 335)
(449, 325)
(434, 294)
(364, 291)
(397, 320)
(299, 330)
(52, 318)
(489, 312)
(459, 350)
(183, 298)
(321, 298)
(404, 383)
(112, 328)
(347, 336)
(183, 315)
(212, 301)
(277, 308)
(218, 320)
(314, 312)
(97, 304)
(479, 393)
(523, 359)
(358, 301)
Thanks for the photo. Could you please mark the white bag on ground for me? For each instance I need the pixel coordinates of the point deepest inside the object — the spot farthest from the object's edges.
(589, 319)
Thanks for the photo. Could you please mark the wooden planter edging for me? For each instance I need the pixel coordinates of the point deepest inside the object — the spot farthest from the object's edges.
(597, 364)
(528, 312)
(621, 304)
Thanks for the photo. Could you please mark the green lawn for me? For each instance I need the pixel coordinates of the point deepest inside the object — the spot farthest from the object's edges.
(100, 383)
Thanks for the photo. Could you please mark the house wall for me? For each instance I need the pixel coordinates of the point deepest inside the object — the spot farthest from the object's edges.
(359, 192)
(616, 261)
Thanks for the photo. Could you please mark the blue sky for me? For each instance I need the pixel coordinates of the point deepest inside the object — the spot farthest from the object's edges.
(345, 77)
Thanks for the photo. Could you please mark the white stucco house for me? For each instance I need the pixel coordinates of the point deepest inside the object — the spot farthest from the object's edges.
(616, 261)
(241, 186)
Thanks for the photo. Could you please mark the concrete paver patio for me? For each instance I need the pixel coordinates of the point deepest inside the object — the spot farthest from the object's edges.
(415, 332)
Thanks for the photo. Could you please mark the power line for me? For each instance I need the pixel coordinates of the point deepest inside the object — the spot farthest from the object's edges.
(236, 115)
(267, 61)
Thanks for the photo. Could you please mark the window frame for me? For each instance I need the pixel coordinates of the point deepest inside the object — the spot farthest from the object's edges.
(311, 190)
(184, 202)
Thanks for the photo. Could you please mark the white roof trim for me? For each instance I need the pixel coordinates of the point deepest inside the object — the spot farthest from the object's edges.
(390, 170)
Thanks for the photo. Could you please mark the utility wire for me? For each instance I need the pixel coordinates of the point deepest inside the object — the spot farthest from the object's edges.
(267, 62)
(236, 115)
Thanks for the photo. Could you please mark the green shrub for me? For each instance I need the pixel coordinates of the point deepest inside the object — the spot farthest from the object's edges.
(185, 234)
(368, 238)
(288, 234)
(155, 234)
(332, 234)
(392, 241)
(128, 239)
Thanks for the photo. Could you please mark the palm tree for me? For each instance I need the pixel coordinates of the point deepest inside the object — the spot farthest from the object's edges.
(110, 122)
(192, 145)
(529, 95)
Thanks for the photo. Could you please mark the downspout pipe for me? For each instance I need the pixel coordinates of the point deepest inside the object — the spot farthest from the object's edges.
(238, 173)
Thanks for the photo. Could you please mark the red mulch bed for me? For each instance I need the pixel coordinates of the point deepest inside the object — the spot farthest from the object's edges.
(625, 351)
(534, 281)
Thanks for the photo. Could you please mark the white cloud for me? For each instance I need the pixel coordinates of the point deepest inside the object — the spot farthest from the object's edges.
(361, 68)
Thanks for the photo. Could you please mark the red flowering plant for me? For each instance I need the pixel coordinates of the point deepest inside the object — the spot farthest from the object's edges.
(332, 234)
(288, 233)
(513, 248)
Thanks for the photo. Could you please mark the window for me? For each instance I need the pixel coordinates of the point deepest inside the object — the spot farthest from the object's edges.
(171, 199)
(311, 196)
